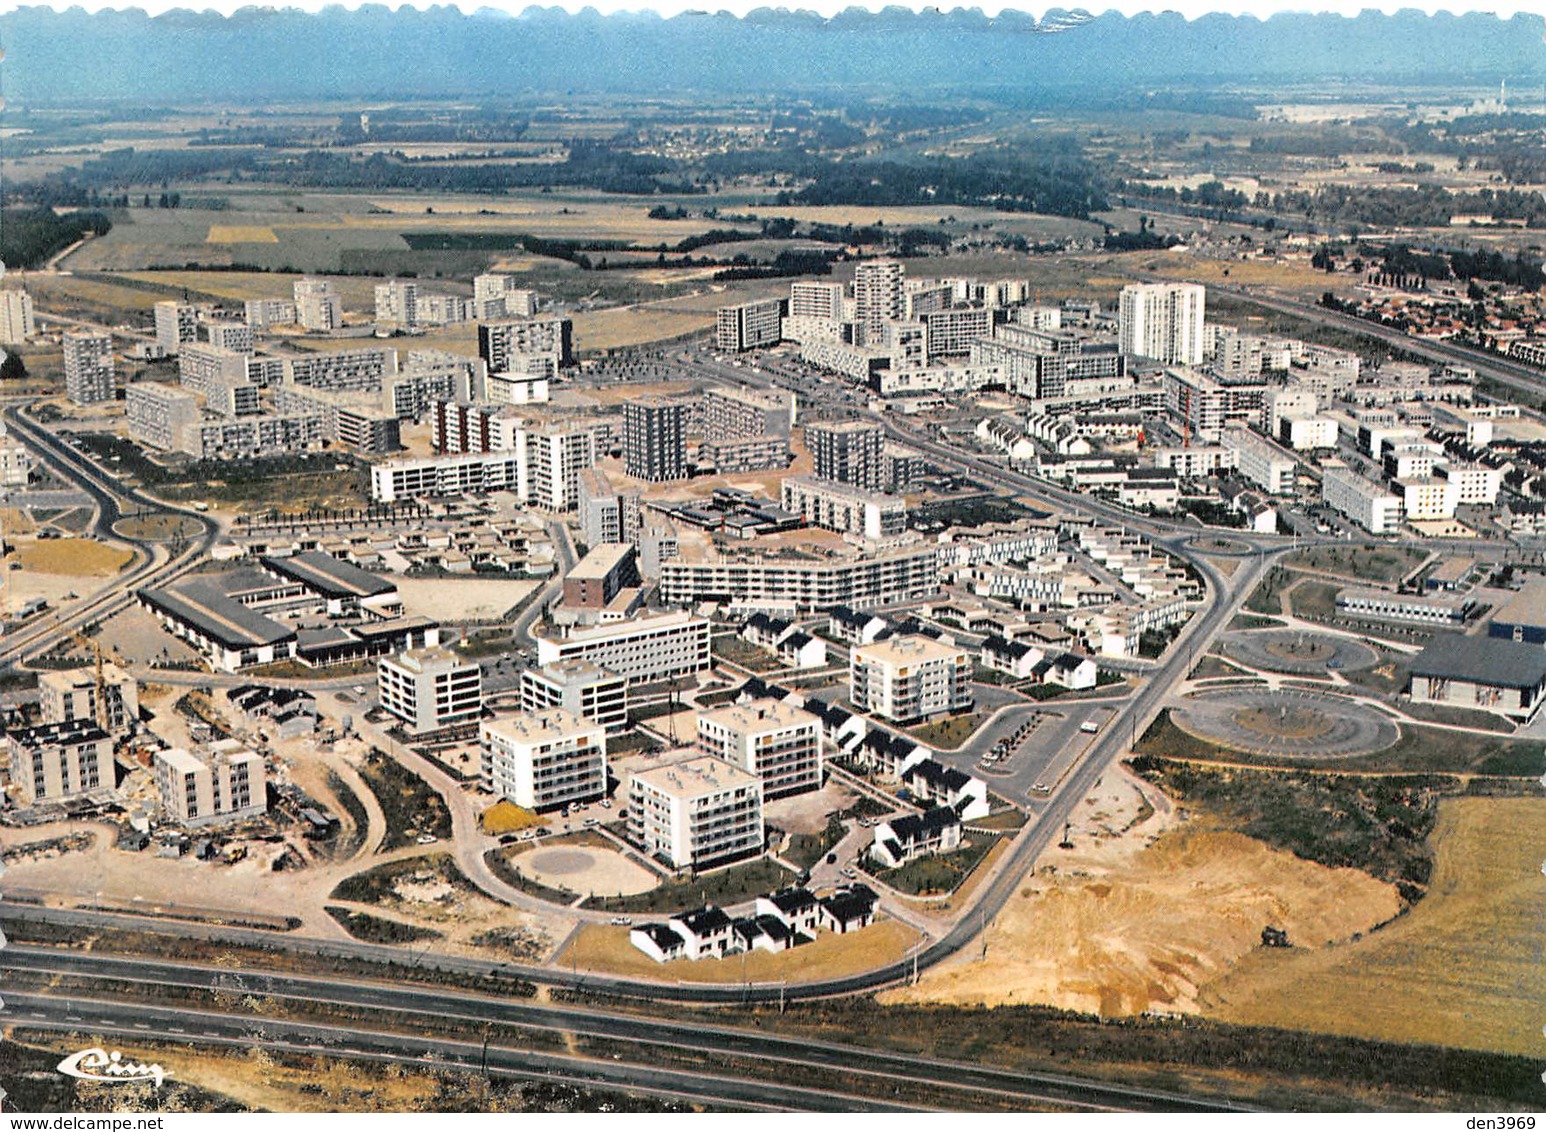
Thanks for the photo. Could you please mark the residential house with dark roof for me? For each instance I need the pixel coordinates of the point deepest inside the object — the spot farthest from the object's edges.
(907, 838)
(659, 942)
(801, 650)
(933, 782)
(706, 931)
(795, 908)
(854, 626)
(1013, 658)
(849, 909)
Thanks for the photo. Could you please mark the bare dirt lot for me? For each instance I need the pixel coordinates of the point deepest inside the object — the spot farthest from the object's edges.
(1144, 912)
(74, 557)
(482, 599)
(1463, 968)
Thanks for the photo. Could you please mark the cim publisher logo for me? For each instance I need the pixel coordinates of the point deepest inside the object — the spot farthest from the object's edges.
(97, 1064)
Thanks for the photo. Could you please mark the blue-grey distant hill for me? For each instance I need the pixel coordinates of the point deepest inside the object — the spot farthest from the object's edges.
(263, 53)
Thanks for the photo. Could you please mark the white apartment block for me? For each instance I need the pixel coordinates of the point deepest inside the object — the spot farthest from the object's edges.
(15, 462)
(231, 336)
(1204, 407)
(199, 365)
(263, 313)
(358, 370)
(1197, 461)
(415, 477)
(159, 415)
(1163, 321)
(776, 741)
(497, 296)
(520, 387)
(754, 580)
(16, 321)
(877, 299)
(224, 783)
(60, 761)
(695, 813)
(177, 324)
(584, 689)
(546, 759)
(1306, 434)
(247, 438)
(847, 510)
(822, 301)
(953, 332)
(316, 305)
(1474, 483)
(89, 376)
(552, 458)
(653, 647)
(734, 413)
(909, 678)
(501, 344)
(1259, 460)
(1427, 498)
(397, 302)
(430, 689)
(748, 326)
(109, 698)
(1366, 503)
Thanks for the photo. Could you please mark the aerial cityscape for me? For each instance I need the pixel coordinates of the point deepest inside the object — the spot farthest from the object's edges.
(996, 565)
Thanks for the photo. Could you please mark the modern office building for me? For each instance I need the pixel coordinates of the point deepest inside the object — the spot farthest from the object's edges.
(224, 782)
(430, 689)
(910, 678)
(584, 689)
(695, 813)
(775, 741)
(605, 571)
(655, 439)
(89, 376)
(16, 321)
(748, 326)
(847, 452)
(108, 697)
(653, 647)
(545, 760)
(1163, 321)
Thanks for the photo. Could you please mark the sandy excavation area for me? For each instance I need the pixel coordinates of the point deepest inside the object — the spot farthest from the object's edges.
(1145, 911)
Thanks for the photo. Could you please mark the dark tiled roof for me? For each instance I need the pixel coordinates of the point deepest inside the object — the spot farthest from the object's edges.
(937, 775)
(329, 576)
(913, 827)
(1483, 660)
(703, 921)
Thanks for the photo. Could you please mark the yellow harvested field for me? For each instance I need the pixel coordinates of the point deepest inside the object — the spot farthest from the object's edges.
(60, 289)
(604, 949)
(1145, 913)
(15, 521)
(633, 326)
(74, 557)
(1463, 968)
(240, 234)
(355, 292)
(1299, 278)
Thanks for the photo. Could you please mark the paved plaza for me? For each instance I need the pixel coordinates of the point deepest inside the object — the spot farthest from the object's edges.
(1297, 724)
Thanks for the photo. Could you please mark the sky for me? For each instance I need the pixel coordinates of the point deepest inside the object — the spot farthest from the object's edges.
(1189, 8)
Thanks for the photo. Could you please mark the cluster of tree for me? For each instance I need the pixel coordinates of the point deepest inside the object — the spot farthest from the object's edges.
(1417, 168)
(1443, 263)
(785, 264)
(1055, 180)
(28, 237)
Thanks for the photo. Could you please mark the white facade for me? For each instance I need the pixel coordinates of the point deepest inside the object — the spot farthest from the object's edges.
(777, 742)
(908, 678)
(546, 759)
(430, 689)
(845, 509)
(1366, 503)
(16, 321)
(696, 812)
(316, 306)
(89, 376)
(654, 647)
(224, 783)
(1163, 321)
(1261, 461)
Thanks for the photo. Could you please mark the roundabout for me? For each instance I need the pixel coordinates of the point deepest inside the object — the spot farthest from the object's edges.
(1297, 724)
(584, 869)
(1297, 652)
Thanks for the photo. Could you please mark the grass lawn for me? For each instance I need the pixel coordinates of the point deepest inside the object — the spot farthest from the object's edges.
(1314, 601)
(940, 873)
(1420, 750)
(1362, 563)
(74, 557)
(1252, 621)
(1211, 667)
(746, 654)
(805, 849)
(378, 885)
(732, 885)
(949, 733)
(1265, 598)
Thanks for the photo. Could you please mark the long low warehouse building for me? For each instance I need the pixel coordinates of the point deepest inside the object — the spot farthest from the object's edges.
(1481, 672)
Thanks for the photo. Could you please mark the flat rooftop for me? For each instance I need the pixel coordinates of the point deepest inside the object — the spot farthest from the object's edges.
(759, 715)
(695, 777)
(551, 725)
(1525, 607)
(602, 560)
(908, 649)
